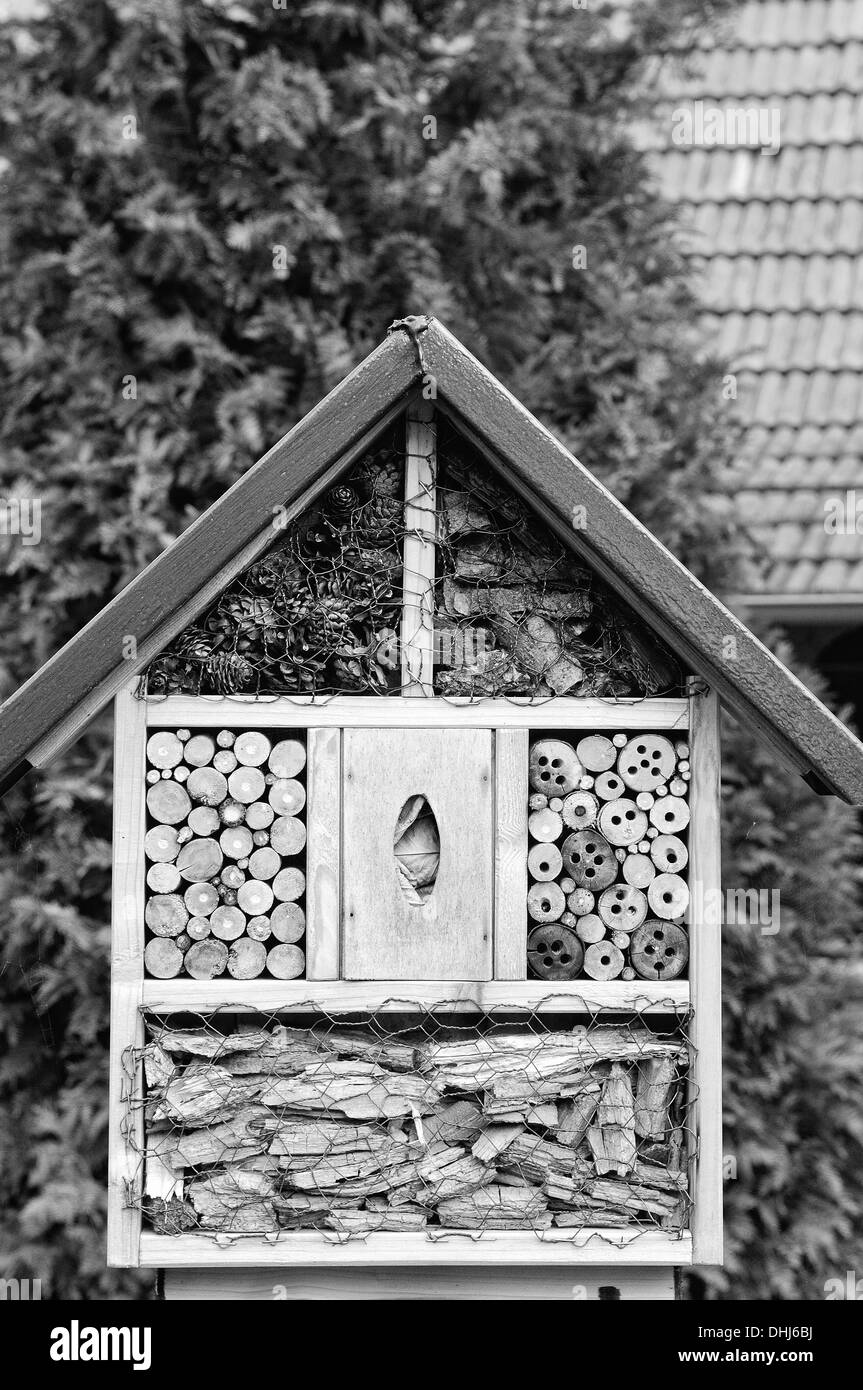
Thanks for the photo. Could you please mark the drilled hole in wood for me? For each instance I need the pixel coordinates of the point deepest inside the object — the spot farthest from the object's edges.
(416, 846)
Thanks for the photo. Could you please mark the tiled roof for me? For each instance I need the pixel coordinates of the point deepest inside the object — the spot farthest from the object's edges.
(780, 238)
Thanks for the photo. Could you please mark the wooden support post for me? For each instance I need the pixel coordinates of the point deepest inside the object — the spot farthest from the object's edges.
(417, 630)
(510, 884)
(125, 1125)
(705, 979)
(323, 854)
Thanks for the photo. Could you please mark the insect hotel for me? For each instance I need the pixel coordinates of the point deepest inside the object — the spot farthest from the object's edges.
(416, 907)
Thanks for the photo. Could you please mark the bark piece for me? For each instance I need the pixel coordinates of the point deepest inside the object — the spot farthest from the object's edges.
(540, 1160)
(575, 1116)
(301, 1138)
(656, 1077)
(456, 1123)
(494, 1139)
(496, 1207)
(449, 1172)
(158, 1066)
(355, 1090)
(536, 646)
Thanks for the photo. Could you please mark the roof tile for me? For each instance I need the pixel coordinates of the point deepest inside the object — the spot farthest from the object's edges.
(780, 238)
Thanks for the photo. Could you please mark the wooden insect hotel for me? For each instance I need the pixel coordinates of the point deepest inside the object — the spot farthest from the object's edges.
(417, 908)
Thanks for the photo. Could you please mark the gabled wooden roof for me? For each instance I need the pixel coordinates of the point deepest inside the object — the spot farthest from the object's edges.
(51, 708)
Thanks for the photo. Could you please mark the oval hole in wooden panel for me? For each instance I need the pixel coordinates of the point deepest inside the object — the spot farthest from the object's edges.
(416, 846)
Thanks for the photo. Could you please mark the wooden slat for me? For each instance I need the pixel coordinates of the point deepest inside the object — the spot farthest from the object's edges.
(384, 936)
(698, 626)
(417, 628)
(363, 712)
(706, 978)
(125, 1127)
(323, 854)
(510, 884)
(517, 1285)
(157, 601)
(275, 996)
(614, 1247)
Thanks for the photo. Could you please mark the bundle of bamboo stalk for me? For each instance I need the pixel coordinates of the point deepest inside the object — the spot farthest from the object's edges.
(345, 1130)
(224, 847)
(608, 894)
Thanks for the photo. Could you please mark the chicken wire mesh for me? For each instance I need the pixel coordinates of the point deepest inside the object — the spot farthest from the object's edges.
(512, 612)
(407, 1120)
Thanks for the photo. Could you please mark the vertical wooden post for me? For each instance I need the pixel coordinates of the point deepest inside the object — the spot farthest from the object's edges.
(126, 1127)
(510, 879)
(323, 854)
(705, 978)
(417, 629)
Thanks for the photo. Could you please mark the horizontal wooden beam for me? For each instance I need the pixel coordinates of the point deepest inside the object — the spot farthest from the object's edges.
(609, 1246)
(513, 1284)
(395, 996)
(370, 711)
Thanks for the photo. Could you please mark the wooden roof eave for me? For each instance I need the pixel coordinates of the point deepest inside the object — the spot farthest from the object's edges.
(51, 709)
(718, 646)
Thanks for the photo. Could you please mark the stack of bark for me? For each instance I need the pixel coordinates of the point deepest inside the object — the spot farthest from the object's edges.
(342, 1130)
(515, 614)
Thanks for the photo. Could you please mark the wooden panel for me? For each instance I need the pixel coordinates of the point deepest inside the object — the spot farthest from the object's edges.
(615, 1247)
(510, 884)
(525, 1284)
(323, 848)
(362, 712)
(533, 996)
(156, 600)
(417, 628)
(705, 969)
(125, 1130)
(698, 626)
(384, 937)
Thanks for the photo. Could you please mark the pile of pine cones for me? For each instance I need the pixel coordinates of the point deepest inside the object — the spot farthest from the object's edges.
(317, 613)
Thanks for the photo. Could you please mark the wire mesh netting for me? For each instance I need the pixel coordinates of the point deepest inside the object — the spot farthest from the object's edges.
(513, 613)
(407, 1120)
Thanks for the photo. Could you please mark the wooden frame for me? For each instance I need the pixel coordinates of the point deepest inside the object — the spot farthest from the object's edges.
(363, 712)
(325, 719)
(607, 1246)
(397, 996)
(126, 1126)
(417, 626)
(513, 1283)
(323, 853)
(511, 753)
(706, 979)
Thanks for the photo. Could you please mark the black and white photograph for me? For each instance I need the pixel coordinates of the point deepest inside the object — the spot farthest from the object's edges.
(431, 666)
